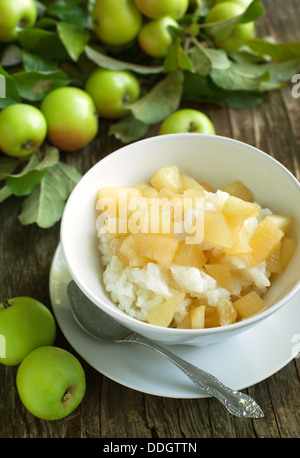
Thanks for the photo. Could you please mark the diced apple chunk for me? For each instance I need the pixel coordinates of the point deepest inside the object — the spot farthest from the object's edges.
(189, 183)
(264, 240)
(198, 317)
(155, 247)
(240, 244)
(126, 251)
(288, 249)
(162, 314)
(167, 177)
(110, 199)
(282, 221)
(227, 312)
(239, 189)
(212, 318)
(185, 323)
(216, 229)
(189, 255)
(146, 189)
(222, 274)
(236, 211)
(249, 305)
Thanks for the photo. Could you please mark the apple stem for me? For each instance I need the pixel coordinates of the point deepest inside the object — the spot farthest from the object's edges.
(28, 145)
(192, 127)
(66, 397)
(6, 304)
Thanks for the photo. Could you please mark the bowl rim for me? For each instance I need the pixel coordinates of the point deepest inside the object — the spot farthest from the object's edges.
(174, 331)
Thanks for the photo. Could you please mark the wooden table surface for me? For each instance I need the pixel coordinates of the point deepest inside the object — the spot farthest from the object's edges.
(109, 409)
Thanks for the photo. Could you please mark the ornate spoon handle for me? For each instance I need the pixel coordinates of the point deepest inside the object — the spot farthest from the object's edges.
(237, 403)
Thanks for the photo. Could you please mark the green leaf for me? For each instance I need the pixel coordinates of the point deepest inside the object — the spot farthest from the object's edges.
(203, 59)
(161, 101)
(7, 166)
(114, 64)
(45, 205)
(74, 38)
(12, 55)
(176, 58)
(23, 183)
(10, 86)
(279, 52)
(5, 193)
(43, 43)
(239, 77)
(34, 85)
(32, 62)
(253, 12)
(198, 88)
(129, 129)
(68, 11)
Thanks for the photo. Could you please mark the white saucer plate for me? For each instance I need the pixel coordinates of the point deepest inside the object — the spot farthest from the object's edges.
(239, 362)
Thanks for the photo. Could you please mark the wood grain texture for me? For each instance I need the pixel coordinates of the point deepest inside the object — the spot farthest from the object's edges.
(110, 410)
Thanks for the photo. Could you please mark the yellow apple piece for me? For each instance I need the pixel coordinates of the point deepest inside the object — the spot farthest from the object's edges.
(222, 274)
(198, 317)
(162, 314)
(282, 221)
(167, 177)
(110, 199)
(126, 250)
(288, 249)
(212, 318)
(264, 240)
(185, 323)
(273, 261)
(227, 312)
(190, 183)
(239, 189)
(189, 255)
(236, 211)
(216, 229)
(240, 244)
(146, 189)
(155, 247)
(248, 305)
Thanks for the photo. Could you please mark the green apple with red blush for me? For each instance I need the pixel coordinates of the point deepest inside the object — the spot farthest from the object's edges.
(71, 117)
(51, 382)
(23, 129)
(15, 16)
(187, 120)
(112, 91)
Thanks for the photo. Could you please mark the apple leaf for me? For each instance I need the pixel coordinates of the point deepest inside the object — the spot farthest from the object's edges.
(34, 85)
(176, 58)
(74, 38)
(5, 193)
(68, 11)
(279, 52)
(114, 64)
(43, 43)
(11, 88)
(161, 101)
(238, 77)
(7, 165)
(45, 205)
(23, 183)
(32, 62)
(129, 129)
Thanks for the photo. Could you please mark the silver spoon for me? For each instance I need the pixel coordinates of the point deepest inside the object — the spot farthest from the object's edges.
(102, 327)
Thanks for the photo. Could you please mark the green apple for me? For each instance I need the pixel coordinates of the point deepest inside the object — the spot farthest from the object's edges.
(187, 120)
(155, 38)
(240, 34)
(16, 15)
(112, 90)
(51, 382)
(116, 22)
(25, 324)
(71, 117)
(244, 3)
(155, 9)
(23, 129)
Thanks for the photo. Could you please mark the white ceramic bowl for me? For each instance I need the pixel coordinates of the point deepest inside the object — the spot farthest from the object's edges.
(213, 159)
